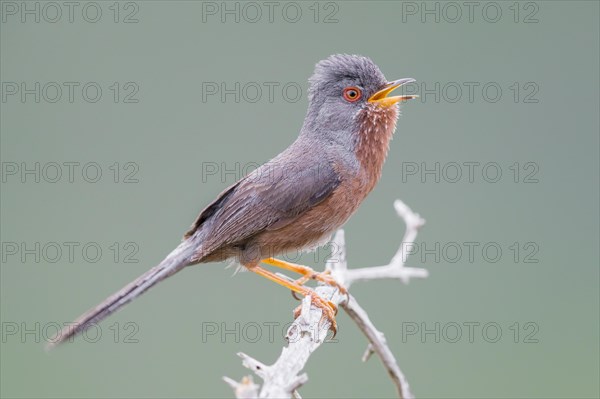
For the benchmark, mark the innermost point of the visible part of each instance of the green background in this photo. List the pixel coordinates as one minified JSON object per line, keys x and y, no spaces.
{"x":170,"y":132}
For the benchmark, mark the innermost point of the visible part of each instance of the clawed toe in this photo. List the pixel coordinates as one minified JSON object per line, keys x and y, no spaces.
{"x":328,"y":308}
{"x":325,"y":277}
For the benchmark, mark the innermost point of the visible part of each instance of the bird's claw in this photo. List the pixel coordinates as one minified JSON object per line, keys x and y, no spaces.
{"x":325,"y":277}
{"x":328,"y":308}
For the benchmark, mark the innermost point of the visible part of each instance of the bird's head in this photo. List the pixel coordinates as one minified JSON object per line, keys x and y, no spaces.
{"x":348,"y":92}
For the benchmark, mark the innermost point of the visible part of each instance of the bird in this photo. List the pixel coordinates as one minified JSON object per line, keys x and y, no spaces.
{"x":296,"y":200}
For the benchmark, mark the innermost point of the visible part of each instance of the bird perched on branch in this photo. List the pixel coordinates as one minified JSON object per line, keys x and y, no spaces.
{"x":296,"y":200}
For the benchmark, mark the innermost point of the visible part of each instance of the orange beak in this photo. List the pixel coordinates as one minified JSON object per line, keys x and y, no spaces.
{"x":381,"y":98}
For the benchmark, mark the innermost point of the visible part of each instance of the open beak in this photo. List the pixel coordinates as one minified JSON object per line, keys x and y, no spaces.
{"x":382,"y":99}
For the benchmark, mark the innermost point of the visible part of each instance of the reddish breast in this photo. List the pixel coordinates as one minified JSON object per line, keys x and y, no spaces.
{"x":377,"y":127}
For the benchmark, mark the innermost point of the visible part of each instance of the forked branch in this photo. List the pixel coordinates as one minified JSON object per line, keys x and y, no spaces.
{"x":308,"y":332}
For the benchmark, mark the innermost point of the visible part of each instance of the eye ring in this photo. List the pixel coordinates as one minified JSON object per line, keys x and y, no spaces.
{"x":352,"y":94}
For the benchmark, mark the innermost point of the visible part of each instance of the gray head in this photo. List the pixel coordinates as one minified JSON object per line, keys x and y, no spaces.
{"x":345,"y":90}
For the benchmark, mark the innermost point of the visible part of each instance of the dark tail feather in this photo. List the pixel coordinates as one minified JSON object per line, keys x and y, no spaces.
{"x":174,"y":262}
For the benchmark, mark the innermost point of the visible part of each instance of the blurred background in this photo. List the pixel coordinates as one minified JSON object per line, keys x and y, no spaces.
{"x":120,"y":121}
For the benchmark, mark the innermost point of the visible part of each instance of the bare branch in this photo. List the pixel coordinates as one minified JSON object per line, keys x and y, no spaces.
{"x":309,"y":330}
{"x":246,"y":389}
{"x":395,"y":269}
{"x":378,"y":344}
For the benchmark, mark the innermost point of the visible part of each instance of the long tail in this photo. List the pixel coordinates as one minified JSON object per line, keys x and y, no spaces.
{"x":174,"y":262}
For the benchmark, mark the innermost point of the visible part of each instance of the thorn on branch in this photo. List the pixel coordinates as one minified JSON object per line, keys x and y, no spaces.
{"x":246,"y":389}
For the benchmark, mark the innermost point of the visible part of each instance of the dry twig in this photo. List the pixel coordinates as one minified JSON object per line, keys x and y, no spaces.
{"x":307,"y":333}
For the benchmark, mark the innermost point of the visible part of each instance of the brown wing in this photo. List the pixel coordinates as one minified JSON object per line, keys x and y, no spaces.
{"x":210,"y":210}
{"x":269,"y":198}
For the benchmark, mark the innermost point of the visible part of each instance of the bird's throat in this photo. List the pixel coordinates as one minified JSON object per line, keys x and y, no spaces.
{"x":376,"y":128}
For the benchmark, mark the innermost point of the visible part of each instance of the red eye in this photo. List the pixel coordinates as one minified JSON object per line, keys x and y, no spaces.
{"x":352,"y":94}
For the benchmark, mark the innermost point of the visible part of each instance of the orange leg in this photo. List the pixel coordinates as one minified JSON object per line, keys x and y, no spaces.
{"x":329,"y":309}
{"x":301,"y":281}
{"x":307,"y":273}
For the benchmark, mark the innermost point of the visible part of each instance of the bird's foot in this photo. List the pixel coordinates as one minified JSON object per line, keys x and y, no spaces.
{"x":328,"y":308}
{"x":307,"y":273}
{"x":325,"y":277}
